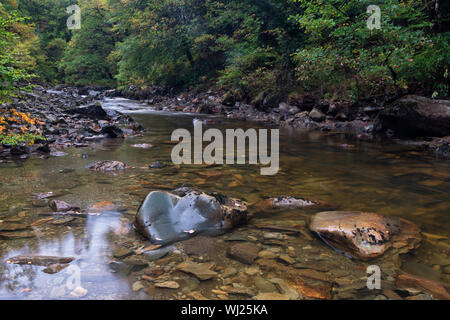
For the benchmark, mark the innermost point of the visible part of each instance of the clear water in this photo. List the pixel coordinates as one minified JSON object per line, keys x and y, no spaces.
{"x":378,"y":177}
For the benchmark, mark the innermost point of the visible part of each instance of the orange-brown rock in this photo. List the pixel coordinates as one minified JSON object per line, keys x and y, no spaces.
{"x":298,"y":279}
{"x":365,"y":235}
{"x":437,"y":289}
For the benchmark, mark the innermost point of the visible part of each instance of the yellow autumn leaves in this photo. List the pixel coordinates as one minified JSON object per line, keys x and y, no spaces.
{"x":13,"y":117}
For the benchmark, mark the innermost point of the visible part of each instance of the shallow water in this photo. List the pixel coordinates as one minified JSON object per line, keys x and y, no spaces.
{"x":380,"y":177}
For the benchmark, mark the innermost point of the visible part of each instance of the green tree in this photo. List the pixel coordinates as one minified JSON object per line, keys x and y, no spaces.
{"x":345,"y":59}
{"x":85,"y":61}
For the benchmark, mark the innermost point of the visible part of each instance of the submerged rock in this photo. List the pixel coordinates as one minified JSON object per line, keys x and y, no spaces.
{"x":243,"y":252}
{"x":61,"y":206}
{"x":365,"y":235}
{"x":437,"y":289}
{"x":165,"y":217}
{"x":284,"y":202}
{"x":107,"y":165}
{"x":200,"y":271}
{"x":40,"y":260}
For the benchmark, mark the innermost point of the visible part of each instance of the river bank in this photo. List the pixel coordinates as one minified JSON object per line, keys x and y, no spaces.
{"x":410,"y":120}
{"x":65,"y":117}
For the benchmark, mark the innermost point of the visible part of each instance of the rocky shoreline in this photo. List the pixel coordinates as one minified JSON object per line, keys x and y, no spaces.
{"x":66,"y":117}
{"x":411,"y":120}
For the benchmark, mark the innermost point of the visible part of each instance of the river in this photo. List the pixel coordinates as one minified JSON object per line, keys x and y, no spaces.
{"x":382,"y":177}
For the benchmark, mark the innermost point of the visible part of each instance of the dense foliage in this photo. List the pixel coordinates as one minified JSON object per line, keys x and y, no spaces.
{"x":257,"y":50}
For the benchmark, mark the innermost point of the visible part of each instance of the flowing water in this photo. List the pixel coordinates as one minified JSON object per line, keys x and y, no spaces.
{"x":381,"y":177}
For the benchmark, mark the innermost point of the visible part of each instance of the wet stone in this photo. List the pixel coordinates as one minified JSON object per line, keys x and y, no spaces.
{"x":286,"y":259}
{"x":166,"y":217}
{"x":271,"y":296}
{"x":243,"y":252}
{"x":17,"y":235}
{"x":200,"y":271}
{"x":168,"y":285}
{"x":365,"y":235}
{"x":61,"y":206}
{"x":273,"y":236}
{"x":40,"y":203}
{"x":107,"y":166}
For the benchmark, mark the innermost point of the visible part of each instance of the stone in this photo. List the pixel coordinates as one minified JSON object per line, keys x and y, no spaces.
{"x":365,"y":235}
{"x":39,"y":260}
{"x":273,"y":236}
{"x":252,"y":271}
{"x":17,"y":235}
{"x":61,"y":206}
{"x":167,"y":217}
{"x":317,"y":115}
{"x":286,"y":259}
{"x":107,"y":166}
{"x":93,"y":111}
{"x":63,"y":221}
{"x":229,"y":272}
{"x":13,"y":226}
{"x":415,"y":116}
{"x":437,"y":289}
{"x":316,"y":289}
{"x":284,"y":202}
{"x":112,"y":132}
{"x":200,"y":271}
{"x":266,"y":254}
{"x":239,"y":290}
{"x":264,"y":285}
{"x":168,"y":285}
{"x":286,"y":289}
{"x":270,"y":296}
{"x":158,"y":165}
{"x":243,"y":252}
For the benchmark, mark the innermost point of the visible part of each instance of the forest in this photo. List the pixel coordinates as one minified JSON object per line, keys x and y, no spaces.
{"x":270,"y":48}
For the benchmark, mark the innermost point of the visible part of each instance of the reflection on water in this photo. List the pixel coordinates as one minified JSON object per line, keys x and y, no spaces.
{"x":349,"y":175}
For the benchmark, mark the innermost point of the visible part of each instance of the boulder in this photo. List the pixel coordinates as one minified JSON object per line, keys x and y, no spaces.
{"x":112,"y":131}
{"x":167,"y":217}
{"x":365,"y":235}
{"x":93,"y":111}
{"x":415,"y":116}
{"x":317,"y":115}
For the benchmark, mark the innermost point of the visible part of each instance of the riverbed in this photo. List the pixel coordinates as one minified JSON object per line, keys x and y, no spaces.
{"x":381,"y":177}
